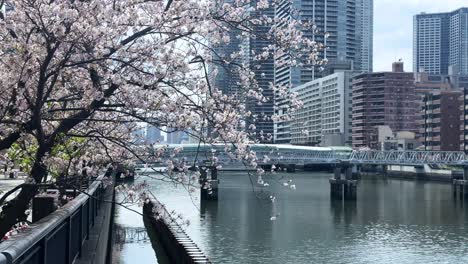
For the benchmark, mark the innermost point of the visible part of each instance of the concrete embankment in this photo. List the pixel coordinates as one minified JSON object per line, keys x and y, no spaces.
{"x":425,"y":172}
{"x":167,"y":234}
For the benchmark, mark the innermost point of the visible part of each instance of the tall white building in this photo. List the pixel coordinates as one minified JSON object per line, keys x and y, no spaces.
{"x":325,"y":119}
{"x":349,"y":45}
{"x":440,"y":42}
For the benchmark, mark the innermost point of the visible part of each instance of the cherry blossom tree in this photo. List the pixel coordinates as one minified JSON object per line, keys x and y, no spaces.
{"x":76,"y":76}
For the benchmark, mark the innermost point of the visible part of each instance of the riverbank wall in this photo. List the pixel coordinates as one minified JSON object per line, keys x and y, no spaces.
{"x":177,"y":245}
{"x":425,"y":172}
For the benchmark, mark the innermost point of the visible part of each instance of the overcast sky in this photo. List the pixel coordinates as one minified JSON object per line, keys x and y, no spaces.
{"x":393,"y":28}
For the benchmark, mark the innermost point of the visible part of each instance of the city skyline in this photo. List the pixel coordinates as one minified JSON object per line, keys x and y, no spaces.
{"x":393,"y":28}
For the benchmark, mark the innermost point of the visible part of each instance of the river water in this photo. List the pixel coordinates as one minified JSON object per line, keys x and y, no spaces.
{"x":392,"y":221}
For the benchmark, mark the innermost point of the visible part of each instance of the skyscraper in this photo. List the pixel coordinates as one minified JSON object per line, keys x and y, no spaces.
{"x":440,"y":41}
{"x":349,"y":45}
{"x":175,"y":136}
{"x":153,"y":135}
{"x":228,"y":77}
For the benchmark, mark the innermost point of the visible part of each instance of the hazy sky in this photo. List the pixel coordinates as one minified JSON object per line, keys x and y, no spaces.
{"x":393,"y":28}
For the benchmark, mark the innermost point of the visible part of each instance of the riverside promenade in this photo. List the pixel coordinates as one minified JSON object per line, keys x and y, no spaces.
{"x":79,"y":232}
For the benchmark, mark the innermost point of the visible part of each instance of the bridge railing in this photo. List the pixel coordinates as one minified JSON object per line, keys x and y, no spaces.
{"x":392,"y":157}
{"x":57,"y":238}
{"x":409,"y":157}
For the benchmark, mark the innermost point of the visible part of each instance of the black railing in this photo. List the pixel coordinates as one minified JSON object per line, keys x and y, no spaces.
{"x":59,"y":237}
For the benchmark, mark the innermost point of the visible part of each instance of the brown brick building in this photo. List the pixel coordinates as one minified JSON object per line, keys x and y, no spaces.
{"x":441,"y":120}
{"x":383,"y":98}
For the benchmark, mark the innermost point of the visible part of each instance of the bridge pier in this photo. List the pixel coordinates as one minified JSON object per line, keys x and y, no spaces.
{"x":420,"y":172}
{"x":343,"y":189}
{"x":356,"y":171}
{"x":209,"y":184}
{"x":291,"y":168}
{"x":384,"y":170}
{"x":266,"y":167}
{"x":460,"y":187}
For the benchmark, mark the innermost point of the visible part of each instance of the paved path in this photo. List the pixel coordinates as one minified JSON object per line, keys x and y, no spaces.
{"x":97,"y":247}
{"x":6,"y":185}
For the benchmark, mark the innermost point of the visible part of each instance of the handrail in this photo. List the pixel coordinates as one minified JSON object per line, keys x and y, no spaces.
{"x":19,"y":244}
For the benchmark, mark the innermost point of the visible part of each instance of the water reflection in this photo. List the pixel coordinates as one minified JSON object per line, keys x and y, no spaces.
{"x":392,"y":221}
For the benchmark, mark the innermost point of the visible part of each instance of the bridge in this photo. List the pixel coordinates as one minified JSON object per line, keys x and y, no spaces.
{"x":303,"y":155}
{"x":346,"y":161}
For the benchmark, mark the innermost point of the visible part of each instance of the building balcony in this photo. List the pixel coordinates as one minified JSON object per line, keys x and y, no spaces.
{"x":359,"y":122}
{"x":360,"y":113}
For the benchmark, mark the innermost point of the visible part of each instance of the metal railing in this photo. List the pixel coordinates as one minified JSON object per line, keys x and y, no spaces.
{"x":410,"y":158}
{"x":59,"y":237}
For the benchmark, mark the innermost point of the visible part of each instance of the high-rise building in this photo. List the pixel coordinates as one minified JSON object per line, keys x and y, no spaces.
{"x":153,"y":135}
{"x":175,"y":136}
{"x":383,"y":99}
{"x":227,"y":79}
{"x":350,"y":42}
{"x":264,"y":72}
{"x":138,"y":136}
{"x":325,"y":118}
{"x":227,"y":76}
{"x":349,"y":25}
{"x":440,"y":40}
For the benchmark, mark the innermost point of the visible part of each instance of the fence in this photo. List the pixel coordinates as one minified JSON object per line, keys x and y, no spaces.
{"x":59,"y":237}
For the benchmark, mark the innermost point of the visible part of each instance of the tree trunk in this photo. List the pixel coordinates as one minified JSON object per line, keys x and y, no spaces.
{"x":14,"y":210}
